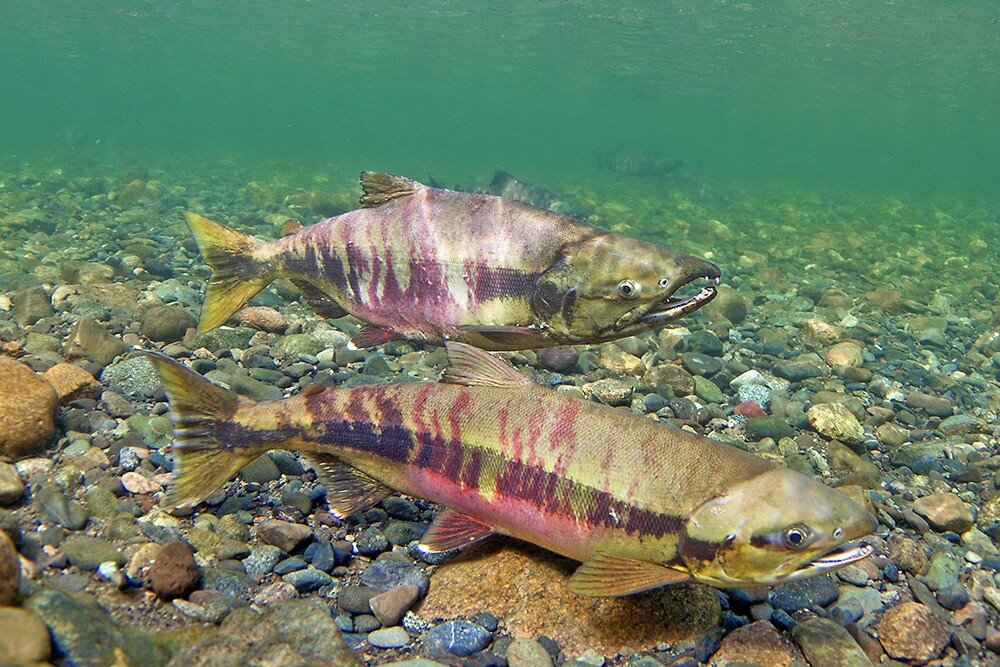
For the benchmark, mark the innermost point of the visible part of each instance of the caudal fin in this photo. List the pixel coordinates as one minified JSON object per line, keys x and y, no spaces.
{"x":236,"y":274}
{"x":201,"y":463}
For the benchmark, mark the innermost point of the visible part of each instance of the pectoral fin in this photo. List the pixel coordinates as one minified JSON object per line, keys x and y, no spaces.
{"x":372,"y":336}
{"x":348,"y":491}
{"x":452,"y":530}
{"x":614,"y":576}
{"x":505,"y":338}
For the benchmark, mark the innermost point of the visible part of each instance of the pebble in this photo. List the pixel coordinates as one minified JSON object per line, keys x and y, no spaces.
{"x":610,"y":391}
{"x":166,"y":324}
{"x":826,"y":643}
{"x":24,"y":639}
{"x":911,"y":632}
{"x":309,"y":579}
{"x":559,"y":359}
{"x":461,"y":638}
{"x":933,"y":405}
{"x":394,"y":637}
{"x":87,"y":553}
{"x":174,"y":572}
{"x":283,"y":534}
{"x":390,"y":606}
{"x":385,"y":574}
{"x":836,"y":422}
{"x":524,"y":652}
{"x":136,"y":483}
{"x":356,"y":599}
{"x":11,"y":487}
{"x":795,"y":595}
{"x":944,"y":512}
{"x":10,"y":570}
{"x":261,"y":561}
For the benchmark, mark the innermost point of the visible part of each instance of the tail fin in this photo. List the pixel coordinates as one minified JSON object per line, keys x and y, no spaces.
{"x":201,"y":463}
{"x":236,"y":275}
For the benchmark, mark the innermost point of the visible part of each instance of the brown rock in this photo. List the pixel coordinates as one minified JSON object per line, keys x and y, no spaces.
{"x":913,"y":633}
{"x":891,"y":435}
{"x":24,"y":639}
{"x":828,"y":644}
{"x":72,"y":382}
{"x":670,"y":375}
{"x":262,"y":317}
{"x":174,"y":572}
{"x":27,"y":410}
{"x":944,"y":511}
{"x":823,"y":332}
{"x":390,"y":606}
{"x":10,"y":570}
{"x":908,"y":555}
{"x":758,"y":643}
{"x":611,"y":391}
{"x":559,"y":359}
{"x":885,"y":298}
{"x":166,"y":324}
{"x":283,"y":534}
{"x":89,"y":339}
{"x":528,"y":588}
{"x":836,"y":422}
{"x":619,"y":361}
{"x":845,"y":354}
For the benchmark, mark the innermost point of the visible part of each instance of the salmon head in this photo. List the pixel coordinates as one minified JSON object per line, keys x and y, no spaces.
{"x":608,"y":286}
{"x":778,"y":526}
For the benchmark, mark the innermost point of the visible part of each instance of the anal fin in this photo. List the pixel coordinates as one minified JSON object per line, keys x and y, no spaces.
{"x":615,"y":576}
{"x":471,"y":366}
{"x":453,"y":530}
{"x":348,"y":491}
{"x":322,"y":305}
{"x":372,"y":336}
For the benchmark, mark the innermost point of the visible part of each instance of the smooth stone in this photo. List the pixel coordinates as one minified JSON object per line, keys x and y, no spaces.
{"x":356,"y":599}
{"x":792,"y":596}
{"x":826,"y":643}
{"x":697,"y":363}
{"x":559,"y":359}
{"x":757,"y":643}
{"x":796,"y":371}
{"x":390,"y":606}
{"x":524,"y":652}
{"x":166,"y":324}
{"x":394,"y":637}
{"x":27,"y":410}
{"x":11,"y":486}
{"x":174,"y":572}
{"x":89,"y":339}
{"x":10,"y":570}
{"x":261,"y":470}
{"x":307,"y":580}
{"x":944,"y":512}
{"x":283,"y":534}
{"x":707,"y":390}
{"x":87,"y":553}
{"x":24,"y":639}
{"x":385,"y":574}
{"x":461,"y":638}
{"x":776,"y":428}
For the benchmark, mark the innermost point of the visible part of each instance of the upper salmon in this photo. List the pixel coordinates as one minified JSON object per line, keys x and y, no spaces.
{"x":641,"y":504}
{"x":431,"y":265}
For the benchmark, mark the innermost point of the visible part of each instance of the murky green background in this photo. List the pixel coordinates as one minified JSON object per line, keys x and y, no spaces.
{"x":844,"y":95}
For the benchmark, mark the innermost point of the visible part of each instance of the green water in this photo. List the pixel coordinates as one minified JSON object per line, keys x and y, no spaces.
{"x":846,"y":95}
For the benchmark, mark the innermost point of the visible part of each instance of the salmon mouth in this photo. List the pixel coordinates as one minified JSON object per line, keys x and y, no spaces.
{"x":675,"y":306}
{"x":835,"y":559}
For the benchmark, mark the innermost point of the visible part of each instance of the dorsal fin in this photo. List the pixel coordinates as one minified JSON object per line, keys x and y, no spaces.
{"x":380,"y":188}
{"x":471,"y":366}
{"x":291,"y":226}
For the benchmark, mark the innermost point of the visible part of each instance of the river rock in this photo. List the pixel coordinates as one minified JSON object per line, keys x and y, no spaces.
{"x":24,"y":639}
{"x":617,"y":360}
{"x":10,"y":570}
{"x":845,"y":354}
{"x":27,"y":410}
{"x":390,"y":606}
{"x":913,"y":633}
{"x":89,"y":339}
{"x":283,"y":534}
{"x":87,"y":553}
{"x":30,"y":305}
{"x":174,"y":572}
{"x":166,"y":324}
{"x":611,"y":391}
{"x":944,"y":511}
{"x":262,"y":317}
{"x":72,"y":382}
{"x":828,"y":644}
{"x":11,"y":486}
{"x":672,"y":376}
{"x":528,"y":588}
{"x":560,"y":359}
{"x":836,"y":422}
{"x":823,"y":332}
{"x":728,"y":305}
{"x":932,"y":405}
{"x":524,"y":652}
{"x":461,"y":638}
{"x":84,"y":634}
{"x":758,"y":643}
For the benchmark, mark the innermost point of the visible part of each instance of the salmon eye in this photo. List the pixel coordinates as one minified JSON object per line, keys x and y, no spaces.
{"x":628,"y":289}
{"x":664,"y":282}
{"x":795,"y":536}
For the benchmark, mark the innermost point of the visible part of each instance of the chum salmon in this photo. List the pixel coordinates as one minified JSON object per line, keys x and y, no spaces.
{"x":640,"y":504}
{"x":431,"y":265}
